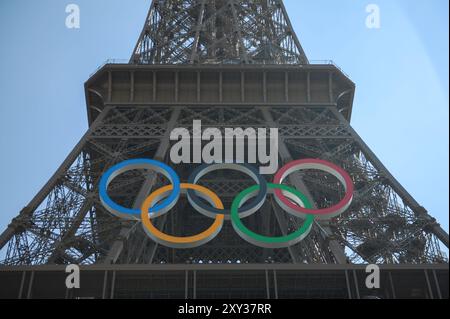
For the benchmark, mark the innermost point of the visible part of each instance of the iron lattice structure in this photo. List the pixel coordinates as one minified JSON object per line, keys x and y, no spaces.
{"x":218,"y":31}
{"x":202,"y":60}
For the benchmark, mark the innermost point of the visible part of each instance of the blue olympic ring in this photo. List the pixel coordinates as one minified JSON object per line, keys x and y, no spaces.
{"x":129,"y":165}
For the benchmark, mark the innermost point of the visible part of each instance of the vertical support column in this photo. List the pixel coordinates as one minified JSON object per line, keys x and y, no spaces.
{"x":110,"y":81}
{"x":242,"y":86}
{"x":243,"y":54}
{"x":28,"y":211}
{"x":194,"y":54}
{"x":265,"y":225}
{"x":194,"y":285}
{"x":177,"y":85}
{"x":436,"y":281}
{"x":267,"y":284}
{"x":155,"y":79}
{"x":117,"y":247}
{"x":355,"y":278}
{"x":434,"y":228}
{"x":330,"y":86}
{"x":30,"y":285}
{"x":22,"y":284}
{"x":105,"y":284}
{"x":430,"y":289}
{"x":294,"y":251}
{"x":221,"y":87}
{"x":296,"y":180}
{"x":199,"y":92}
{"x":275,"y":283}
{"x":186,"y":284}
{"x":347,"y":281}
{"x":132,"y":86}
{"x":391,"y":282}
{"x":68,"y":294}
{"x":113,"y":285}
{"x":286,"y":87}
{"x":265,"y":86}
{"x":308,"y":87}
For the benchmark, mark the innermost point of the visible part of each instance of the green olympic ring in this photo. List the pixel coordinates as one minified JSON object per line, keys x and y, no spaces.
{"x":264,"y":241}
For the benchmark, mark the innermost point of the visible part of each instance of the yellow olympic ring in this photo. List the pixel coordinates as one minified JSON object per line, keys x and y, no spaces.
{"x":182,"y":242}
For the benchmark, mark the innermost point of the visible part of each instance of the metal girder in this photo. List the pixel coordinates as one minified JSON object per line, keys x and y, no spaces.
{"x":65,"y":222}
{"x":218,"y":31}
{"x":145,"y":190}
{"x":297,"y":180}
{"x":34,"y":240}
{"x":434,"y":227}
{"x":27,"y":212}
{"x":57,"y":230}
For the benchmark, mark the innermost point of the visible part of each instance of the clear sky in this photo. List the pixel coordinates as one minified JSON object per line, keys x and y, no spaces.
{"x":401,"y":72}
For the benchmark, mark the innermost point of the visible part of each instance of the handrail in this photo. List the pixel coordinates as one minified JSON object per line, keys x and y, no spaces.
{"x":110,"y":61}
{"x":126,"y":61}
{"x":330,"y":62}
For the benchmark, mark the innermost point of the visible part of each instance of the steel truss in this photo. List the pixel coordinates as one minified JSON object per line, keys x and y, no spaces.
{"x":218,"y":31}
{"x":65,"y":223}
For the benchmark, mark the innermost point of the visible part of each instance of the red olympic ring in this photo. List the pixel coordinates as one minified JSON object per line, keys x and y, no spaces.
{"x":322,"y":165}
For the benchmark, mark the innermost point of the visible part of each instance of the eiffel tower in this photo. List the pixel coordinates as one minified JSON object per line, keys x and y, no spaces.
{"x":230,"y":64}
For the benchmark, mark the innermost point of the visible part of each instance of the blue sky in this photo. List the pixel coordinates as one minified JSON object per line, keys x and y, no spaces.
{"x":401,"y":72}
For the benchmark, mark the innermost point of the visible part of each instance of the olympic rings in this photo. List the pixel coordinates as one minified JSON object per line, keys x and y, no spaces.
{"x":164,"y":199}
{"x":128,"y":213}
{"x":325,"y":213}
{"x":211,"y":212}
{"x":182,"y":242}
{"x":264,"y":241}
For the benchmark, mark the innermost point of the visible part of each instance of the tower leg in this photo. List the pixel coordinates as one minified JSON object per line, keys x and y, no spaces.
{"x":420,"y":211}
{"x":161,"y":153}
{"x":336,"y":249}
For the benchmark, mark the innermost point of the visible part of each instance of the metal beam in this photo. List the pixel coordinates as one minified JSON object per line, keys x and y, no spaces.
{"x":27,"y":212}
{"x":117,"y":247}
{"x":297,"y":181}
{"x":435,"y":228}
